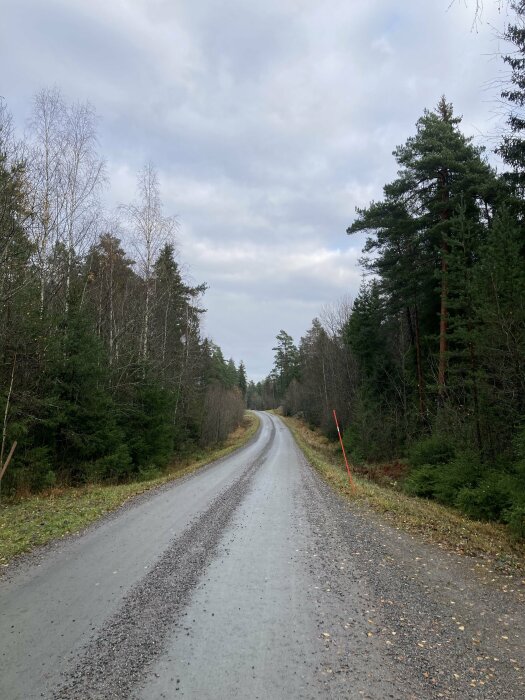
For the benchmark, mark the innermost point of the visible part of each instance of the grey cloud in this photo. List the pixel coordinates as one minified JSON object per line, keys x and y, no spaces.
{"x":269,"y":122}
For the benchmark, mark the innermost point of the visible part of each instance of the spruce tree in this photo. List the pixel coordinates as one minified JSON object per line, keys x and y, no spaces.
{"x":241,"y":379}
{"x":512,"y":148}
{"x":498,"y":298}
{"x":80,"y":426}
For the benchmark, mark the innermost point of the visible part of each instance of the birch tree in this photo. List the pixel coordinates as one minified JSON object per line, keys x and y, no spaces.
{"x":45,"y":177}
{"x":82,"y":176}
{"x":65,"y":174}
{"x":151,"y":230}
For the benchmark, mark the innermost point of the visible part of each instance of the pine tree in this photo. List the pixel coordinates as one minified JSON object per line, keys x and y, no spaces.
{"x":286,"y":363}
{"x":440,"y":170}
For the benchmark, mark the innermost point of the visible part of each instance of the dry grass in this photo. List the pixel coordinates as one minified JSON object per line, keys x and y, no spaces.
{"x":35,"y":520}
{"x":432,"y":521}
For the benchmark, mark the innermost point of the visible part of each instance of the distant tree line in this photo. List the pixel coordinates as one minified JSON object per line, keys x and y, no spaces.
{"x":104,"y":373}
{"x":429,"y":363}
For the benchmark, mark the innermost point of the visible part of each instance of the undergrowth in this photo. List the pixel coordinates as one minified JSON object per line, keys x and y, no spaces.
{"x":33,"y":521}
{"x":434,"y":522}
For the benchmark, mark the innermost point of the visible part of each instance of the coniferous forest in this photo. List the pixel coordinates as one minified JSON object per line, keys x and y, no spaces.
{"x":427,"y":364}
{"x":104,"y":372}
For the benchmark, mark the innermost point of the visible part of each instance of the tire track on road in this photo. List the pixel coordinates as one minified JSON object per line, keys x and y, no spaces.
{"x":116,"y":659}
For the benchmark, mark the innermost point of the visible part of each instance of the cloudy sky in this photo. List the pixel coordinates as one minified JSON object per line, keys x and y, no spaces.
{"x":269,"y":122}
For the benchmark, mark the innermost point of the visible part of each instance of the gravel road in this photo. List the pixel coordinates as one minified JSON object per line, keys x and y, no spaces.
{"x":253,"y":579}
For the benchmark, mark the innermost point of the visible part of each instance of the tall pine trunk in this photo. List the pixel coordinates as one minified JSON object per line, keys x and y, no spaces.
{"x":443,"y":320}
{"x":419,"y":367}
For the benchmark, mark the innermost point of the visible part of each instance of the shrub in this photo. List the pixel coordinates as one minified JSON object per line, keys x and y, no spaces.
{"x":114,"y":467}
{"x":490,"y":498}
{"x":353,"y":446}
{"x":437,"y":479}
{"x":430,"y":451}
{"x":460,"y":479}
{"x":148,"y":473}
{"x":462,"y":472}
{"x":421,"y":482}
{"x":31,"y":470}
{"x":515,"y":519}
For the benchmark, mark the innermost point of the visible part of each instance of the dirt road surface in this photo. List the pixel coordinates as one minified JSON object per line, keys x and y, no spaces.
{"x":252,"y":579}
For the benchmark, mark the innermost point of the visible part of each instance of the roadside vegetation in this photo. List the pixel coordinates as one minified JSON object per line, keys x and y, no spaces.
{"x":378,"y":489}
{"x":34,"y":520}
{"x":426,"y":366}
{"x":105,"y":374}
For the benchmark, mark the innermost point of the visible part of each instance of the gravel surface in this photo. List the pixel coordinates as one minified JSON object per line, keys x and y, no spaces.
{"x":447,"y":627}
{"x":56,"y":600}
{"x":262,"y":583}
{"x":115,"y":660}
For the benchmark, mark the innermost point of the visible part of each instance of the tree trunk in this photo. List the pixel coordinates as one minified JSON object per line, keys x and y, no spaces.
{"x":111,"y":309}
{"x":443,"y":321}
{"x":442,"y":366}
{"x":419,"y":368}
{"x":146,"y":322}
{"x":473,"y":364}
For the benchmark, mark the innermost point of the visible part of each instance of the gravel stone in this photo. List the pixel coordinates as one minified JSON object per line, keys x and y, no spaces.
{"x":115,"y":661}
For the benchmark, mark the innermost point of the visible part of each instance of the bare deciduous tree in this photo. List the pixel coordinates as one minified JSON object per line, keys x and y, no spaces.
{"x":45,"y":178}
{"x":151,"y":231}
{"x":65,"y":175}
{"x":83,"y":174}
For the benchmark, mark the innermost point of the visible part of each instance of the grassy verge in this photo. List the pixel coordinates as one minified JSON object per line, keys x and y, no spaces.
{"x":433,"y":522}
{"x":36,"y":520}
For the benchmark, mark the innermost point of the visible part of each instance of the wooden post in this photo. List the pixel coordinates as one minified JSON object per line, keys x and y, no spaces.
{"x":3,"y":467}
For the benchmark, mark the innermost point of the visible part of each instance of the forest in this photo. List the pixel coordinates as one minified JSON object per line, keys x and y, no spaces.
{"x":427,"y":365}
{"x":104,"y":372}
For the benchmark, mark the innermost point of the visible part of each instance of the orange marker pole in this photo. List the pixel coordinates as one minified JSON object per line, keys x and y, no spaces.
{"x":344,"y":453}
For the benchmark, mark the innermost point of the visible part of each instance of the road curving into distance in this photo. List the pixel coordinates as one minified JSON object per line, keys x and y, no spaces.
{"x":252,"y":579}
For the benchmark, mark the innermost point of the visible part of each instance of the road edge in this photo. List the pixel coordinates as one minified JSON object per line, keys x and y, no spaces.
{"x":134,"y":495}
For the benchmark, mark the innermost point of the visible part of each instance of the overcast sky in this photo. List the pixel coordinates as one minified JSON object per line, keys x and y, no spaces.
{"x":269,"y":122}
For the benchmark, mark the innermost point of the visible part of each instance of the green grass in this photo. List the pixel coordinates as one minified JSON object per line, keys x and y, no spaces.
{"x":432,"y":521}
{"x":33,"y":521}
